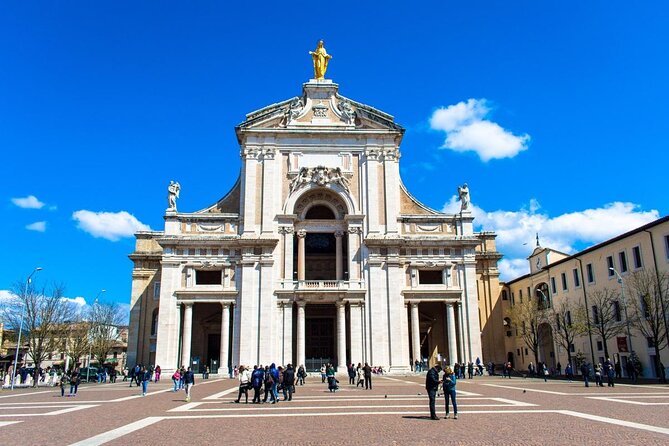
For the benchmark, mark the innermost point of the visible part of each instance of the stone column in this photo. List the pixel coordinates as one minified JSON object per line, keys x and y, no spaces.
{"x":341,"y":336}
{"x":301,"y":253}
{"x":300,"y":333}
{"x":339,"y":254}
{"x":225,"y":337}
{"x":452,"y":342}
{"x":353,"y":246}
{"x":415,"y":332}
{"x":288,"y":253}
{"x":177,"y":357}
{"x":188,"y":327}
{"x":465,"y":356}
{"x":356,"y":332}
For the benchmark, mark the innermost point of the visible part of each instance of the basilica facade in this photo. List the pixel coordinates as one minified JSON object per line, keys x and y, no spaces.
{"x":317,"y":254}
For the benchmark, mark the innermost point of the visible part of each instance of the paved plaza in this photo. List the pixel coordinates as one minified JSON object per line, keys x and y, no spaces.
{"x":492,"y":410}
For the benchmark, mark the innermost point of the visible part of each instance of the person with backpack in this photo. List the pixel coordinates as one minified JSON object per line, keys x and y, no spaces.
{"x":257,"y":378}
{"x":301,"y":375}
{"x":74,"y":381}
{"x":288,"y":383}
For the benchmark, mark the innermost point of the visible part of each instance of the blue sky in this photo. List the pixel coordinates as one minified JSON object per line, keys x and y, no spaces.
{"x":554,"y":113}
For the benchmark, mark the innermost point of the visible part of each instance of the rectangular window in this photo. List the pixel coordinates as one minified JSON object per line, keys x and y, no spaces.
{"x":666,"y":246}
{"x":644,"y":307}
{"x":600,"y":346}
{"x":525,"y":351}
{"x":557,"y":322}
{"x":518,"y":351}
{"x":430,"y":277}
{"x":563,"y":276}
{"x":616,"y":311}
{"x":520,"y":295}
{"x":609,"y":265}
{"x":553,"y":286}
{"x":651,"y":343}
{"x":590,"y":272}
{"x":577,"y":280}
{"x":595,"y":314}
{"x":636,"y":253}
{"x":529,"y":295}
{"x":156,"y":290}
{"x":623,"y":261}
{"x":513,"y":298}
{"x":524,"y":327}
{"x":568,"y":318}
{"x":572,"y":348}
{"x":504,"y":295}
{"x":208,"y":277}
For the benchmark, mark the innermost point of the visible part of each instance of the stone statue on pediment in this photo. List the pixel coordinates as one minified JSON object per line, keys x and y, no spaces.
{"x":172,"y":194}
{"x":463,"y":192}
{"x":346,"y":112}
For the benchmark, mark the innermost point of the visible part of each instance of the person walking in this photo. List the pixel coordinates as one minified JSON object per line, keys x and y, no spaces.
{"x":598,"y":375}
{"x":301,"y":375}
{"x":63,"y":377}
{"x":145,"y":378}
{"x":569,"y":373}
{"x":176,"y":377}
{"x":323,"y":375}
{"x":367,"y":371}
{"x":288,"y":382}
{"x":351,"y":374}
{"x":609,"y":371}
{"x":585,"y":371}
{"x":244,"y":378}
{"x":449,"y":391}
{"x":274,"y":371}
{"x":257,"y":378}
{"x":157,"y":375}
{"x":544,"y":371}
{"x":188,"y":379}
{"x":360,"y":375}
{"x":432,"y":386}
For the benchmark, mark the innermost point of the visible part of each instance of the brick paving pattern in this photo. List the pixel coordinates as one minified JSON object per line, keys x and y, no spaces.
{"x":492,"y":411}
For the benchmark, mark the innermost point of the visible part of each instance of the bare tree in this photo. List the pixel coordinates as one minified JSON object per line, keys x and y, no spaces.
{"x":566,"y":324}
{"x":104,"y":319}
{"x":45,"y":314}
{"x":607,"y":321}
{"x":526,"y":317}
{"x":77,"y":342}
{"x":649,"y":296}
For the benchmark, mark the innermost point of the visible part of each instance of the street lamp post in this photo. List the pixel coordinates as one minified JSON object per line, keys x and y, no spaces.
{"x":90,"y":347}
{"x":23,"y":311}
{"x":622,"y":298}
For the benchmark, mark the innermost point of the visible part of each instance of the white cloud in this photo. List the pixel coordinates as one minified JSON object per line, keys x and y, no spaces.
{"x":39,"y":226}
{"x":7,"y":296}
{"x":568,"y":232}
{"x":76,"y":300}
{"x":29,"y":202}
{"x":467,"y":130}
{"x":108,"y":225}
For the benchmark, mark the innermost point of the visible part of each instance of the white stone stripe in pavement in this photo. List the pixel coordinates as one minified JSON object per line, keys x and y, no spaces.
{"x":216,"y":396}
{"x":638,"y":403}
{"x":7,"y":423}
{"x":25,"y":394}
{"x":55,"y":412}
{"x":113,"y":434}
{"x":615,"y":421}
{"x":524,"y":388}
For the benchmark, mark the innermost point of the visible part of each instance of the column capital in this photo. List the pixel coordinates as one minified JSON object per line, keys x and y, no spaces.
{"x":225,"y":305}
{"x":286,"y":229}
{"x":302,"y":233}
{"x":340,"y":304}
{"x":339,"y":234}
{"x":301,"y":303}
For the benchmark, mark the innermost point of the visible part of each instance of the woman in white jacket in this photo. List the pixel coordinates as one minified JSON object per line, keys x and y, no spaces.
{"x":244,"y":384}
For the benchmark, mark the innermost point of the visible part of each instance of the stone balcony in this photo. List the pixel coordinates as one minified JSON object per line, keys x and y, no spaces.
{"x":322,"y":285}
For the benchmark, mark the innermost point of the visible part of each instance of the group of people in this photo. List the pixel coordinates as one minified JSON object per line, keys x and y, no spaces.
{"x":183,"y":378}
{"x":433,"y":381}
{"x":266,"y":382}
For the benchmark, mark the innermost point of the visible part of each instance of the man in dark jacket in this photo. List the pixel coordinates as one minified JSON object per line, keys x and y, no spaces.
{"x":367,"y":370}
{"x":432,"y":385}
{"x":288,"y":382}
{"x":351,"y":373}
{"x":257,"y":379}
{"x":189,"y":381}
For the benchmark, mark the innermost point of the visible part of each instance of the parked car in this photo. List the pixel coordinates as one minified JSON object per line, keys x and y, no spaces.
{"x":92,"y":373}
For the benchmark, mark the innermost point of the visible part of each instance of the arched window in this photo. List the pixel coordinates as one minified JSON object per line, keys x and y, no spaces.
{"x":154,"y":323}
{"x":319,"y":212}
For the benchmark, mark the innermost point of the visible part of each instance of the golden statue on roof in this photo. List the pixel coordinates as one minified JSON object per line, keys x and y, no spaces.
{"x":321,"y":59}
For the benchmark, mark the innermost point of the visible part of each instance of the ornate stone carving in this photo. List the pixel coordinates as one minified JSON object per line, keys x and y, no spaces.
{"x":384,"y":154}
{"x":301,"y":233}
{"x":347,"y":113}
{"x":321,"y":176}
{"x":172,"y":194}
{"x":339,"y":234}
{"x":320,"y":110}
{"x":354,"y":230}
{"x":258,"y":153}
{"x":286,"y":229}
{"x":294,"y":110}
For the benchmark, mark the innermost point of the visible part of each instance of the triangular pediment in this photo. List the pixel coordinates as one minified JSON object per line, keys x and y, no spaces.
{"x":319,"y":107}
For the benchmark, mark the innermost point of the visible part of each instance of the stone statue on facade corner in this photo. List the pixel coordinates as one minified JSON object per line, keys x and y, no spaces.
{"x":172,"y":194}
{"x":463,"y":192}
{"x":321,"y":59}
{"x":347,"y":112}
